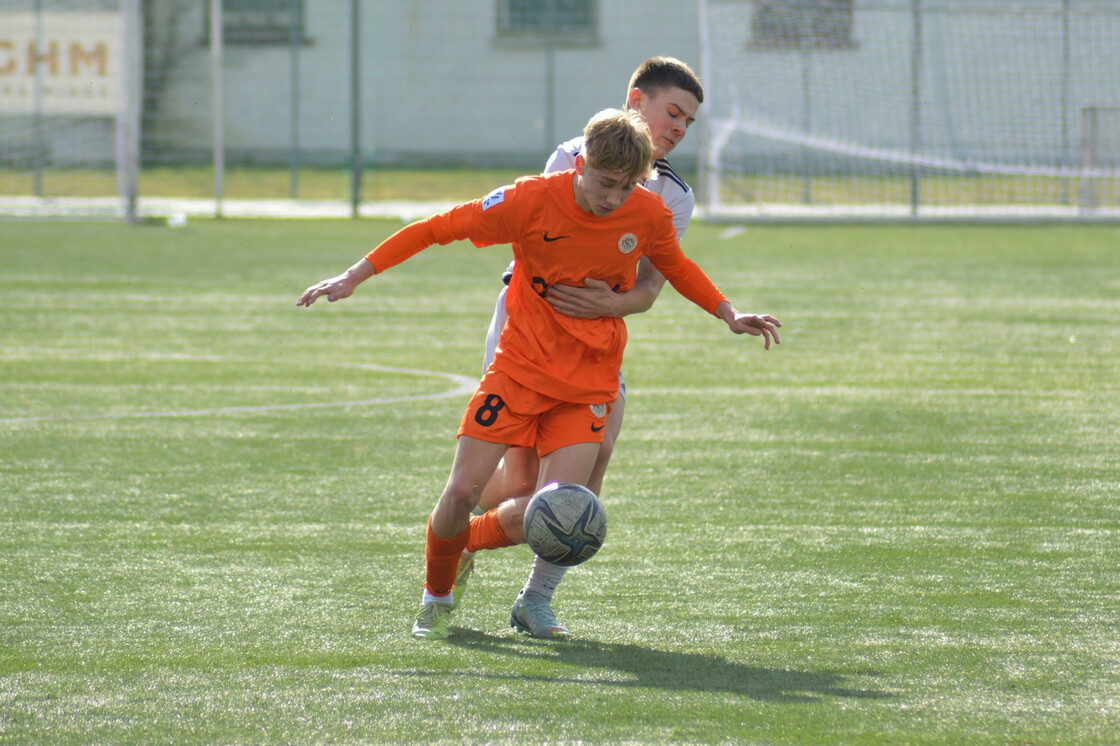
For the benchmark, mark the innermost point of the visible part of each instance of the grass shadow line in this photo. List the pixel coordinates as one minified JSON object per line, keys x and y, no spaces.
{"x":669,"y":670}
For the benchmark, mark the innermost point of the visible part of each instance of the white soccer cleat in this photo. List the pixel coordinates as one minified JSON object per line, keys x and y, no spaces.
{"x":432,"y":623}
{"x":533,"y":614}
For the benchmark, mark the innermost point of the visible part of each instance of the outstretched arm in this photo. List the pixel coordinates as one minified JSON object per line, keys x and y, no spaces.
{"x":757,"y":325}
{"x":407,"y":242}
{"x":689,"y":279}
{"x":340,"y":286}
{"x":596,"y":299}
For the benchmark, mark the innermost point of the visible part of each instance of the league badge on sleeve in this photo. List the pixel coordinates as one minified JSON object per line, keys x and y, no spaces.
{"x":496,"y":197}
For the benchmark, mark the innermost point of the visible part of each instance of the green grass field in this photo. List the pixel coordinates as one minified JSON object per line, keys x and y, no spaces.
{"x":899,"y":526}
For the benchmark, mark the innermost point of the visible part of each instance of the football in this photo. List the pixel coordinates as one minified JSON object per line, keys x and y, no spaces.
{"x":565,"y":524}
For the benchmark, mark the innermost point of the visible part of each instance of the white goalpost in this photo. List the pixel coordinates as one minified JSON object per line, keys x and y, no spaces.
{"x":911,"y":109}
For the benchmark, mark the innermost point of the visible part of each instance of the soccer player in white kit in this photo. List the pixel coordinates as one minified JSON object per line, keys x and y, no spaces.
{"x":667,"y":94}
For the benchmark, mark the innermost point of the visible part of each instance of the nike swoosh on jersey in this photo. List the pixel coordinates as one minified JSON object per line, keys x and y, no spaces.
{"x":549,"y":238}
{"x":597,"y":429}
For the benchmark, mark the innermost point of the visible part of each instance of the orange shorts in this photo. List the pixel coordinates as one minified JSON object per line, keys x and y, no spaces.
{"x":504,"y":411}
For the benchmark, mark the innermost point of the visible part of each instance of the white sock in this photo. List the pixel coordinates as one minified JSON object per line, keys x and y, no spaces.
{"x":430,"y":598}
{"x":544,"y":577}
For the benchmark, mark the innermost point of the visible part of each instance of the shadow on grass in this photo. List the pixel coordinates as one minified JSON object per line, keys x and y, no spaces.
{"x":673,"y":671}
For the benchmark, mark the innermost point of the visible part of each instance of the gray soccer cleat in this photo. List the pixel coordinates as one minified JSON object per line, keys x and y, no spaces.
{"x":532,"y":614}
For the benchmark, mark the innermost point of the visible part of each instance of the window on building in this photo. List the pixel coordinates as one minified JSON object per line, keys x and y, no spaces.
{"x":259,"y":21}
{"x":802,"y":24}
{"x":572,"y":21}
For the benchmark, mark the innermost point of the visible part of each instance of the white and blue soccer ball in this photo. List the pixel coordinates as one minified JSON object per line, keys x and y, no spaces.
{"x":565,"y":524}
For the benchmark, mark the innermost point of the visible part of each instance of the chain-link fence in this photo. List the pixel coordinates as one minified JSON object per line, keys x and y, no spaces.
{"x":307,"y":104}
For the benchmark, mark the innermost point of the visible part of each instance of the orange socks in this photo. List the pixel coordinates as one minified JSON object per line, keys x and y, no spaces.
{"x":486,"y":533}
{"x":441,"y":558}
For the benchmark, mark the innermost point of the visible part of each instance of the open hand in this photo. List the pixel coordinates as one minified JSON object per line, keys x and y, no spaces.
{"x":594,"y":301}
{"x":335,"y":288}
{"x":757,"y":325}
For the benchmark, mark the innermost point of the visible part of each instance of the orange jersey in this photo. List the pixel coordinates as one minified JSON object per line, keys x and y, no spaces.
{"x":557,"y":242}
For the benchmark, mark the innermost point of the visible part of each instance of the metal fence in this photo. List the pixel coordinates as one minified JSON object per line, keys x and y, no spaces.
{"x":302,"y":103}
{"x":814,"y":108}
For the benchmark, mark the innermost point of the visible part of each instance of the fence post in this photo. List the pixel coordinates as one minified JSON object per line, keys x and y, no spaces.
{"x":38,"y":138}
{"x":355,"y":110}
{"x":915,"y":107}
{"x":128,"y":116}
{"x":1064,"y":195}
{"x":217,"y":104}
{"x":806,"y":57}
{"x":295,"y":34}
{"x":550,"y":76}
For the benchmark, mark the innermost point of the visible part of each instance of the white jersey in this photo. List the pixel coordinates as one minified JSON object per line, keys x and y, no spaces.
{"x":677,"y":195}
{"x":674,"y":192}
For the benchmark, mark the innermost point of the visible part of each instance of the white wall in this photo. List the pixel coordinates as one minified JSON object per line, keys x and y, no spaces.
{"x":437,"y":85}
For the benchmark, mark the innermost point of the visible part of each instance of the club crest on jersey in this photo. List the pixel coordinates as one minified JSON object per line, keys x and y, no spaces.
{"x":599,"y":410}
{"x":496,"y":197}
{"x":627,"y":243}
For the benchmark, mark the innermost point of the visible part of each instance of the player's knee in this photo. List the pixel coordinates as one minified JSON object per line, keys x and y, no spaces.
{"x":461,"y":496}
{"x":606,"y":449}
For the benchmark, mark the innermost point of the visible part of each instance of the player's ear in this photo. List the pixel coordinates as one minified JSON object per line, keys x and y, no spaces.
{"x":634,"y":98}
{"x":579,"y":164}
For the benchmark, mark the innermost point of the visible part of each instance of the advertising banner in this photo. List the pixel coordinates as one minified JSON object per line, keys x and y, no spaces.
{"x":61,"y":63}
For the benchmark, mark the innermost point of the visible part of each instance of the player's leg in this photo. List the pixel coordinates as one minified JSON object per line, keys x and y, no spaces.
{"x":448,"y":532}
{"x":606,"y":448}
{"x":574,"y":425}
{"x":474,"y":462}
{"x":544,"y":576}
{"x":511,"y":512}
{"x":516,"y":475}
{"x":532,"y":611}
{"x":499,"y":414}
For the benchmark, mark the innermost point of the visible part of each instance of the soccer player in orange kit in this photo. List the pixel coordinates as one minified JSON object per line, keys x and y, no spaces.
{"x":553,"y":376}
{"x":666,"y":94}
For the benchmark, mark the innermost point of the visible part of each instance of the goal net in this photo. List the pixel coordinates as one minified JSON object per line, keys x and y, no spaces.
{"x":881,"y":109}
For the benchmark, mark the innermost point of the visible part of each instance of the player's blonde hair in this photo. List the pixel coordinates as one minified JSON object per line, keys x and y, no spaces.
{"x":616,"y":140}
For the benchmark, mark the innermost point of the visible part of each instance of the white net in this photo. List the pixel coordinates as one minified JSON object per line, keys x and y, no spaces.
{"x":911,"y":108}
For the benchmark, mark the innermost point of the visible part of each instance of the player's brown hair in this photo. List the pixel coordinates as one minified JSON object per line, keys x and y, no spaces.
{"x":616,"y":140}
{"x":659,"y":73}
